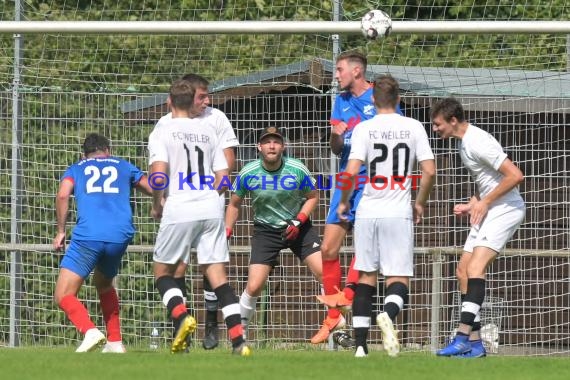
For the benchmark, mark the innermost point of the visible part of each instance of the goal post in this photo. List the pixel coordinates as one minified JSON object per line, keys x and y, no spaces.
{"x":65,"y":70}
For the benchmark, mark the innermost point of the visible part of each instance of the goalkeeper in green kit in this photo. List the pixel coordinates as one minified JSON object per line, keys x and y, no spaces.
{"x":283,"y":196}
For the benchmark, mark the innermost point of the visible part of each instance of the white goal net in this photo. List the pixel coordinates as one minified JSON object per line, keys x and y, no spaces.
{"x":56,"y":87}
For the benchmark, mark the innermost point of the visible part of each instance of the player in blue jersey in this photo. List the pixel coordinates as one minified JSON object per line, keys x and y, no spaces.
{"x":102,"y":187}
{"x":351,"y":107}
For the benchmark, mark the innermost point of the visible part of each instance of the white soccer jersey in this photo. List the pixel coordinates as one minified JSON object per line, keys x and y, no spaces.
{"x":389,"y":145}
{"x":216,"y":119}
{"x":482,"y":155}
{"x":192,"y":152}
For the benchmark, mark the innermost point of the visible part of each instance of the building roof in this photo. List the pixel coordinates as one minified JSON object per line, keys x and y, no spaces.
{"x":439,"y":81}
{"x":552,"y":88}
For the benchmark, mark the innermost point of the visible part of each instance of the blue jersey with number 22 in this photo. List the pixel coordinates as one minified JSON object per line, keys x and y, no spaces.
{"x":102,"y":189}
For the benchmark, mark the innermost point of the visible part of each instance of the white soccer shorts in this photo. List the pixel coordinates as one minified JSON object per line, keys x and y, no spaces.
{"x":497,"y":228}
{"x":222,"y":207}
{"x":384,"y":245}
{"x":174,"y":241}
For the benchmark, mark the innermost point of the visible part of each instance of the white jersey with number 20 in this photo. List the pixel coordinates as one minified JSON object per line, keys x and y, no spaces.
{"x":389,"y":145}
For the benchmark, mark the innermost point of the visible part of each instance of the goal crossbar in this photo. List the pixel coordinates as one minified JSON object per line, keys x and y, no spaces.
{"x":280,"y":27}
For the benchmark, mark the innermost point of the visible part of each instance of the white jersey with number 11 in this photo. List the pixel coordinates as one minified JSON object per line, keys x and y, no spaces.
{"x":193,"y":153}
{"x":390,"y":145}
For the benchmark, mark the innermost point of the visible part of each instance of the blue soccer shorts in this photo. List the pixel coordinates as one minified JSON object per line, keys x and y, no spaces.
{"x":332,"y":217}
{"x":82,"y":256}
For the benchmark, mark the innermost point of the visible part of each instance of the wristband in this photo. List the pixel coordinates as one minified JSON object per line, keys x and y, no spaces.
{"x":302,"y":217}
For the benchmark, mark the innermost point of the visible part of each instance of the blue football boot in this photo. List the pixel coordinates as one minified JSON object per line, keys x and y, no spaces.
{"x":458,"y":346}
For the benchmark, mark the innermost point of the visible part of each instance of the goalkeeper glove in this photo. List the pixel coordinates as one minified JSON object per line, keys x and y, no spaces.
{"x":294,"y":226}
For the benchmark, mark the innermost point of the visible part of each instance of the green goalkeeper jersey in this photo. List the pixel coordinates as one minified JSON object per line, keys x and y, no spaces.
{"x":275,"y":195}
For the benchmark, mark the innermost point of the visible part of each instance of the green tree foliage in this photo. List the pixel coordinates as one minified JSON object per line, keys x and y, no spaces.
{"x":115,"y":63}
{"x":526,"y":52}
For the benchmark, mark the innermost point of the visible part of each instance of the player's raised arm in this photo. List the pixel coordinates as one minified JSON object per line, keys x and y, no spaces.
{"x":61,"y":209}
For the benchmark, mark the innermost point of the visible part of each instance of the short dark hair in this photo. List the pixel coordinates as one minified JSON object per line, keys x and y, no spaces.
{"x":448,"y":108}
{"x":196,"y":80}
{"x":182,"y":94}
{"x":354,"y":57}
{"x":386,"y":91}
{"x":95,"y":142}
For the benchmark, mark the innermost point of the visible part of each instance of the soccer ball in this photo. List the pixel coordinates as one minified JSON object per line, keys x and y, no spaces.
{"x":376,"y":23}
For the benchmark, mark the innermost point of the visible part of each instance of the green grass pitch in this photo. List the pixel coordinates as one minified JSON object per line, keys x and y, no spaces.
{"x":63,"y":363}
